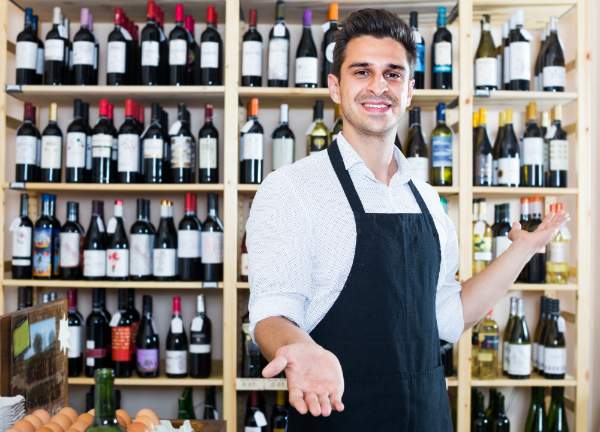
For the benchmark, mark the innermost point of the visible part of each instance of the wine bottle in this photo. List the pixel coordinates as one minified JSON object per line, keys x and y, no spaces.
{"x":487,"y":350}
{"x":147,"y":343}
{"x":210,"y":404}
{"x":559,"y":151}
{"x":27,"y":143}
{"x":51,"y":149}
{"x":538,"y":73}
{"x":96,"y":49}
{"x":178,"y":49}
{"x":26,"y":52}
{"x":128,"y":150}
{"x":71,"y":240}
{"x":252,"y":46}
{"x":506,"y":56}
{"x":75,"y":322}
{"x":555,"y":352}
{"x":141,"y":243}
{"x":183,"y":148}
{"x":482,"y":236}
{"x":338,"y":124}
{"x":500,"y":423}
{"x":519,"y":351}
{"x":328,"y":43}
{"x":120,"y":326}
{"x":244,"y":260}
{"x":520,"y":53}
{"x":497,"y":151}
{"x":538,"y":344}
{"x":193,"y":60}
{"x":553,"y":63}
{"x":102,"y":139}
{"x":441,"y":66}
{"x":524,"y":221}
{"x":117,"y":248}
{"x":279,"y":417}
{"x":557,"y":260}
{"x":186,"y":405}
{"x":211,"y":51}
{"x":500,"y":230}
{"x":510,"y":325}
{"x":46,"y":241}
{"x":76,"y":145}
{"x":307,"y":64}
{"x":546,"y":130}
{"x":189,"y":257}
{"x":482,"y":175}
{"x":251,"y":356}
{"x":419,"y":73}
{"x":486,"y":62}
{"x":87,"y":173}
{"x":94,"y":245}
{"x":532,"y":169}
{"x":536,"y":415}
{"x":105,"y":419}
{"x":24,"y":297}
{"x":22,"y":237}
{"x":208,"y":149}
{"x":200,"y":342}
{"x":481,"y":423}
{"x":256,"y":421}
{"x":251,"y":147}
{"x":114,"y":148}
{"x":317,"y":138}
{"x":39,"y":64}
{"x":283,"y":140}
{"x":509,"y":154}
{"x":164,"y":257}
{"x":84,"y":51}
{"x":177,"y":344}
{"x":416,"y":150}
{"x":212,"y":242}
{"x":153,"y":48}
{"x":441,"y":149}
{"x":97,"y":336}
{"x":279,"y":50}
{"x":536,"y":267}
{"x":135,"y":318}
{"x":153,"y":148}
{"x":69,"y":52}
{"x":117,"y":61}
{"x":557,"y":416}
{"x":55,"y":51}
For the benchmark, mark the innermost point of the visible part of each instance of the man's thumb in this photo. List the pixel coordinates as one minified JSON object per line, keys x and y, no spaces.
{"x":275,"y":367}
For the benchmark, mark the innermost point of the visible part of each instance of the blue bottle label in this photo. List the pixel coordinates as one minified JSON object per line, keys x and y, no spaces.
{"x":420,"y":60}
{"x":442,"y":151}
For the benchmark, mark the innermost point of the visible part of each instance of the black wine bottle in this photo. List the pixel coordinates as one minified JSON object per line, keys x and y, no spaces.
{"x":76,"y":145}
{"x":26,"y":52}
{"x":441,"y":64}
{"x":84,"y":51}
{"x":75,"y":321}
{"x":178,"y":49}
{"x":97,"y":336}
{"x":558,"y":151}
{"x":307,"y":63}
{"x":117,"y":248}
{"x":121,"y":327}
{"x":210,"y":404}
{"x":283,"y":140}
{"x":520,"y":53}
{"x":46,"y":241}
{"x":71,"y":240}
{"x":252,"y":46}
{"x":279,"y":50}
{"x":328,"y":43}
{"x":141,"y":243}
{"x":188,"y":242}
{"x":212,"y":242}
{"x":553,"y":61}
{"x":193,"y":59}
{"x":177,"y":344}
{"x":94,"y":246}
{"x":153,"y":148}
{"x":251,"y":147}
{"x":532,"y":148}
{"x":200,"y":342}
{"x":39,"y":64}
{"x":27,"y":144}
{"x":255,"y":421}
{"x":419,"y":74}
{"x":153,"y":48}
{"x":116,"y":51}
{"x":183,"y":148}
{"x":55,"y":51}
{"x":87,"y":174}
{"x":147,"y":343}
{"x":536,"y":267}
{"x":129,"y":152}
{"x":22,"y":241}
{"x":51,"y":149}
{"x":164,"y":259}
{"x":211,"y":51}
{"x":208,"y":149}
{"x":24,"y":298}
{"x":102,"y":141}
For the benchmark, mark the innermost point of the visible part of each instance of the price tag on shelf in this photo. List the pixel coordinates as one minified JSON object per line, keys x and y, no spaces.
{"x":17,"y":185}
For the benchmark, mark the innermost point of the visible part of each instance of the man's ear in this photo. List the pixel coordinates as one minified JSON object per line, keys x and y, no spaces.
{"x":411,"y":92}
{"x":334,"y":88}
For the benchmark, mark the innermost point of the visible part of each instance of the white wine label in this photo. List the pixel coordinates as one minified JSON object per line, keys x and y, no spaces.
{"x":115,"y":58}
{"x":307,"y":70}
{"x":278,"y":59}
{"x":553,"y":76}
{"x":150,"y":53}
{"x":101,"y":145}
{"x":76,"y":142}
{"x":51,"y":151}
{"x":441,"y":151}
{"x":244,"y":264}
{"x":505,"y":355}
{"x":559,"y":155}
{"x":70,"y":249}
{"x":21,"y":241}
{"x":94,"y":263}
{"x":128,"y":153}
{"x":39,"y":64}
{"x":88,"y":153}
{"x":200,"y":348}
{"x":509,"y":171}
{"x":252,"y":429}
{"x":117,"y":262}
{"x":175,"y":128}
{"x":499,"y":69}
{"x":506,"y":65}
{"x":176,"y":362}
{"x":520,"y":61}
{"x":197,"y":326}
{"x":283,"y":152}
{"x":164,"y":262}
{"x":176,"y":325}
{"x":558,"y":252}
{"x":247,"y":126}
{"x":188,"y":244}
{"x":499,"y":245}
{"x":279,"y":30}
{"x":140,"y":263}
{"x":329,"y":51}
{"x":442,"y":57}
{"x":519,"y":362}
{"x":532,"y":151}
{"x":555,"y":360}
{"x":212,"y":247}
{"x":27,"y":55}
{"x":75,"y":342}
{"x":26,"y":150}
{"x":486,"y":71}
{"x":54,"y":50}
{"x":419,"y":167}
{"x":484,"y":167}
{"x":181,"y":152}
{"x":209,"y":55}
{"x":177,"y":52}
{"x":153,"y":148}
{"x":111,"y":225}
{"x":207,"y":154}
{"x":251,"y":147}
{"x":83,"y":53}
{"x":535,"y":352}
{"x":252,"y":58}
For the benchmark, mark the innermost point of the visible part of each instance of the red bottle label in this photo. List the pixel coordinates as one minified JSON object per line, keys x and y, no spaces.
{"x":121,"y":344}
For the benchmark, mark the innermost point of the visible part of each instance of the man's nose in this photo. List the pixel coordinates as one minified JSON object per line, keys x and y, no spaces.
{"x":378,"y":85}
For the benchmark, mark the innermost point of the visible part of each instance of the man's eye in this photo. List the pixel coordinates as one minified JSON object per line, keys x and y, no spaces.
{"x":361,"y":73}
{"x":394,"y":75}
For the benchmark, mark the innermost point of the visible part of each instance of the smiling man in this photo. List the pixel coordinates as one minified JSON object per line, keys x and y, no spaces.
{"x":352,"y":262}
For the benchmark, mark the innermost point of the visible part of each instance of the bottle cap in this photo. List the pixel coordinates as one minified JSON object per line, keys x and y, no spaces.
{"x":176,"y":304}
{"x":307,"y":17}
{"x":190,"y":202}
{"x":179,"y":14}
{"x":103,"y":108}
{"x":253,"y":107}
{"x":29,"y":112}
{"x":130,"y":110}
{"x":208,"y":112}
{"x":211,"y":15}
{"x":84,"y":17}
{"x":72,"y":298}
{"x":151,"y":10}
{"x":531,"y":110}
{"x":252,"y":18}
{"x":189,"y":24}
{"x":333,"y":12}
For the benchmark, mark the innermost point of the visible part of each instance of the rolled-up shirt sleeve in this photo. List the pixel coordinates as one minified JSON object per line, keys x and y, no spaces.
{"x":279,"y":257}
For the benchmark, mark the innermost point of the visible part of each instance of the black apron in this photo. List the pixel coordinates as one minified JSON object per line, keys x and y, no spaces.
{"x":383,"y":326}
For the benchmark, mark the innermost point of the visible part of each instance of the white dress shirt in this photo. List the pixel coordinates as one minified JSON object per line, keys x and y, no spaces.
{"x":301,"y":236}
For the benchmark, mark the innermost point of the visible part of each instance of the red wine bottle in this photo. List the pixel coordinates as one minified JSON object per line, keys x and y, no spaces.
{"x":84,"y":51}
{"x":128,"y":153}
{"x":419,"y":73}
{"x":71,"y":240}
{"x":121,"y":329}
{"x":114,"y":148}
{"x":87,"y":174}
{"x":135,"y":318}
{"x":96,"y":49}
{"x":39,"y":64}
{"x":307,"y":63}
{"x":147,"y":343}
{"x":164,"y":262}
{"x":46,"y":241}
{"x":183,"y":148}
{"x":76,"y":145}
{"x":153,"y":148}
{"x":75,"y":321}
{"x":178,"y":49}
{"x":251,"y":147}
{"x":256,"y":421}
{"x":200,"y":342}
{"x":177,"y":344}
{"x":119,"y":42}
{"x":117,"y":250}
{"x":279,"y":50}
{"x":252,"y":47}
{"x":188,"y":242}
{"x":328,"y":43}
{"x":102,"y":141}
{"x":97,"y":335}
{"x":22,"y":237}
{"x":142,"y":242}
{"x":212,"y":242}
{"x":26,"y":51}
{"x":211,"y":51}
{"x":51,"y":149}
{"x":27,"y":145}
{"x":56,"y":65}
{"x":193,"y":61}
{"x":208,"y":149}
{"x":94,"y":246}
{"x":154,"y":47}
{"x":69,"y":52}
{"x":244,"y":260}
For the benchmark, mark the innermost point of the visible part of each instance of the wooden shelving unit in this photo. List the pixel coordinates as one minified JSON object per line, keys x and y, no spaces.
{"x":231,"y":96}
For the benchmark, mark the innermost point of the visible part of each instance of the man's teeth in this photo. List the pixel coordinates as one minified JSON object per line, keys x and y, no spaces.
{"x":376,"y":105}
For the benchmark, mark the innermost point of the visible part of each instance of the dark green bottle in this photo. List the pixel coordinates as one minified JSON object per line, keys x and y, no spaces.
{"x":500,"y":422}
{"x":105,"y":419}
{"x":557,"y":417}
{"x":481,"y":423}
{"x":536,"y":417}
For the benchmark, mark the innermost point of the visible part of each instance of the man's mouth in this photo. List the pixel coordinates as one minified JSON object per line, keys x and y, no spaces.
{"x":376,"y":107}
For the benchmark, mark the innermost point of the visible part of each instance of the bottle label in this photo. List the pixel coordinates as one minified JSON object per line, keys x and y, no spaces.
{"x":150,"y":53}
{"x":482,"y":245}
{"x":553,"y":76}
{"x":442,"y":57}
{"x":506,"y":65}
{"x":54,"y":50}
{"x":101,"y":145}
{"x":94,"y":263}
{"x":147,"y":359}
{"x":520,"y":61}
{"x":121,"y":343}
{"x":505,"y":355}
{"x":252,"y":58}
{"x":519,"y":362}
{"x":197,"y":348}
{"x":486,"y":71}
{"x":70,"y":251}
{"x":92,"y":352}
{"x":252,"y":429}
{"x":177,"y":52}
{"x":181,"y":152}
{"x":483,"y":168}
{"x":278,"y":58}
{"x":21,"y":242}
{"x":39,"y":67}
{"x":153,"y":148}
{"x":188,"y":244}
{"x":244,"y":264}
{"x":499,"y":245}
{"x":176,"y":362}
{"x":83,"y":53}
{"x":419,"y":168}
{"x":212,"y":247}
{"x":115,"y":59}
{"x":164,"y":262}
{"x":251,"y":146}
{"x":260,"y":419}
{"x":533,"y":151}
{"x":51,"y":152}
{"x":441,"y":151}
{"x":555,"y":360}
{"x":26,"y":55}
{"x":509,"y":171}
{"x":540,"y":357}
{"x":141,"y":254}
{"x":535,"y":350}
{"x":76,"y":149}
{"x":558,"y":252}
{"x":42,"y":252}
{"x":559,"y":155}
{"x":209,"y":55}
{"x":26,"y":150}
{"x":283,"y":152}
{"x":307,"y":70}
{"x":128,"y":153}
{"x":317,"y":143}
{"x":420,"y":59}
{"x":207,"y":154}
{"x":75,"y":342}
{"x":329,"y":52}
{"x":117,"y":262}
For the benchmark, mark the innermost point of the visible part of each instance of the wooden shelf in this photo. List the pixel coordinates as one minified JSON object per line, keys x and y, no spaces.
{"x":116,"y":187}
{"x":534,"y":381}
{"x":485,"y":191}
{"x":442,"y":190}
{"x":86,"y":284}
{"x":518,"y":100}
{"x":537,"y":12}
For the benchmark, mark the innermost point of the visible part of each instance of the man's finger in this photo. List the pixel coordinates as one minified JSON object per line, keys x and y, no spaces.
{"x":296,"y":398}
{"x":313,"y":404}
{"x":336,"y":402}
{"x":275,"y":367}
{"x":325,"y":404}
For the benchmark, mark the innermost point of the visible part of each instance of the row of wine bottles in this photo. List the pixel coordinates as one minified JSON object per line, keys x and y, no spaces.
{"x":540,"y":158}
{"x":548,"y":265}
{"x":255,"y":419}
{"x":131,"y":154}
{"x":47,"y":250}
{"x":148,"y":58}
{"x":543,"y":352}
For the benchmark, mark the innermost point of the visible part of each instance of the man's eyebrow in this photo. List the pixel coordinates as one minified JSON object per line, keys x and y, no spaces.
{"x":366,"y":64}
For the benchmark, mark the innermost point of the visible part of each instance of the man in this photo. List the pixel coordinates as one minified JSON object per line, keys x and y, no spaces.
{"x":352,"y":262}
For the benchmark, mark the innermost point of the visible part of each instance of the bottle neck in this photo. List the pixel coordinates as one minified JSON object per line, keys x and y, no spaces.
{"x":24,"y":206}
{"x":104,"y":399}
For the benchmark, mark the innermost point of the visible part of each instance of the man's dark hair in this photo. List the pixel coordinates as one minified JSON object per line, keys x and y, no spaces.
{"x":378,"y":23}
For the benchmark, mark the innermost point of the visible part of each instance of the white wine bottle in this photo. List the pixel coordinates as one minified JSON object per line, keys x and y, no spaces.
{"x":486,"y":62}
{"x":532,"y":149}
{"x":519,"y":346}
{"x":482,"y":236}
{"x":510,"y":325}
{"x":553,"y":62}
{"x":416,"y":150}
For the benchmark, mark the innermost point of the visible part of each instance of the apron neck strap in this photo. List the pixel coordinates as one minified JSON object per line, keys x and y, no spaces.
{"x":419,"y":198}
{"x":344,"y":177}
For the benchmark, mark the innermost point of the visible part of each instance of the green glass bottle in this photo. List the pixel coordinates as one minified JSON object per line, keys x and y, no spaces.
{"x":317,"y":138}
{"x":481,"y":423}
{"x":487,"y":352}
{"x":512,"y":318}
{"x":486,"y":62}
{"x":279,"y":416}
{"x":536,"y":416}
{"x":557,"y":416}
{"x":105,"y":419}
{"x":519,"y":362}
{"x":185,"y":405}
{"x":500,"y":422}
{"x":441,"y":149}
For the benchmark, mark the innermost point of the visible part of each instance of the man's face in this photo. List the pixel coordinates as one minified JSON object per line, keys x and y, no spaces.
{"x":374,"y":88}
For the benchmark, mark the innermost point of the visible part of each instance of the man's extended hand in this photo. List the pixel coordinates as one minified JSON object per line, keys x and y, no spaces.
{"x":544,"y":232}
{"x":314,"y":377}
